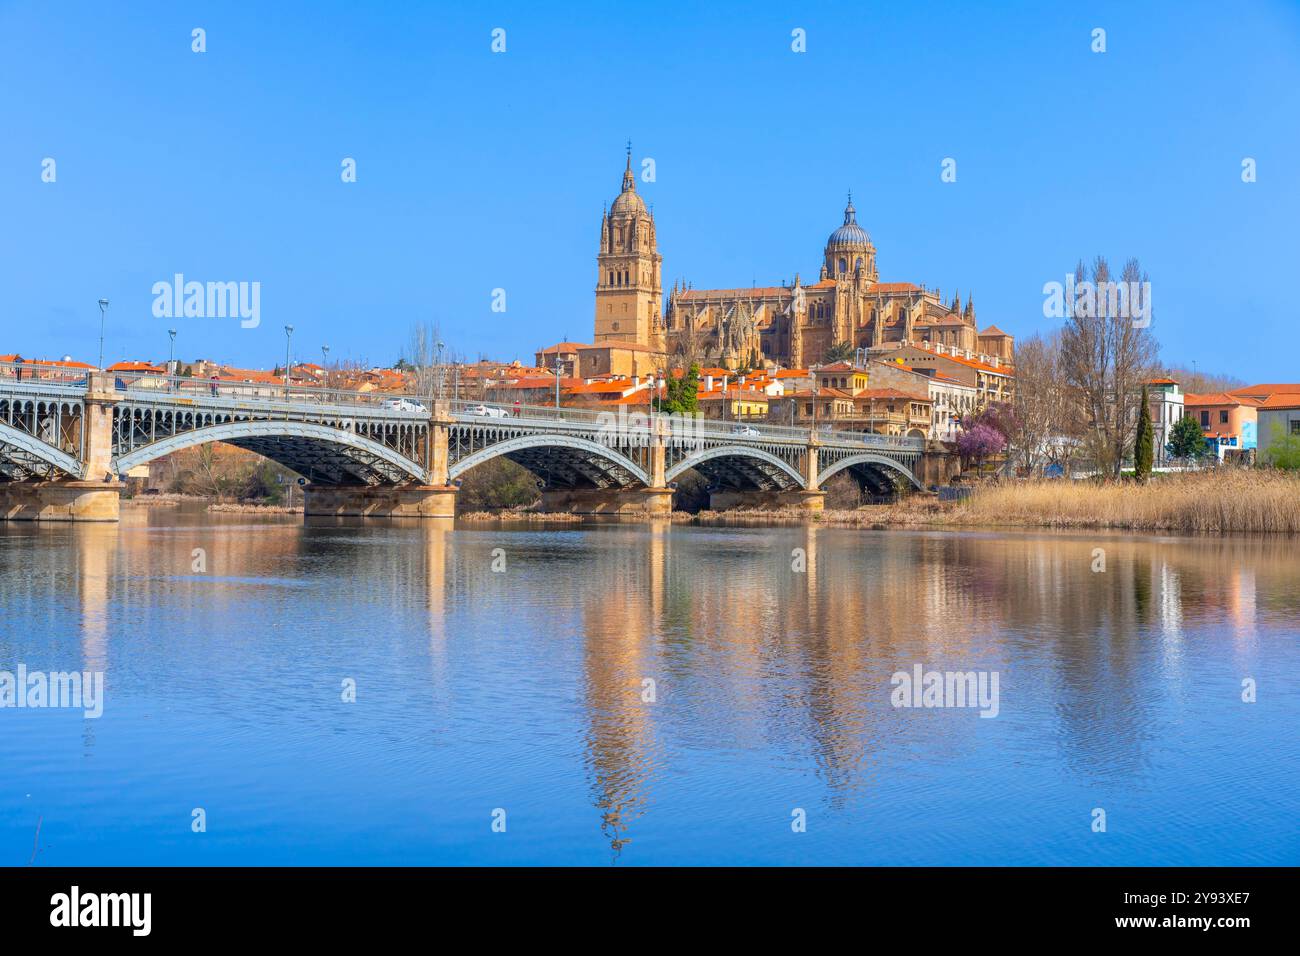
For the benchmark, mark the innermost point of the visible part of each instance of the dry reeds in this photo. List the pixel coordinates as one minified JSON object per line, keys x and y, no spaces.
{"x":1221,"y":500}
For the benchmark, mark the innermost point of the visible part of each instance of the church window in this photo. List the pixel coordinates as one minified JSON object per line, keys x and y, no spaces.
{"x":858,"y":265}
{"x":844,"y":265}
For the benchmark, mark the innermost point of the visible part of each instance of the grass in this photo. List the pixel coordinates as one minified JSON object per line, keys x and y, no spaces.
{"x":1216,"y":501}
{"x":1224,"y":500}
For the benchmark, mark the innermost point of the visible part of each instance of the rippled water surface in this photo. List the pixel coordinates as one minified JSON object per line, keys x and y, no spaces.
{"x":771,"y":652}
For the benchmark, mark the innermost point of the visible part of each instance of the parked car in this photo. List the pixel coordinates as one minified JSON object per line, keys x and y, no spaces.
{"x":487,"y":411}
{"x":402,"y":405}
{"x":747,"y":430}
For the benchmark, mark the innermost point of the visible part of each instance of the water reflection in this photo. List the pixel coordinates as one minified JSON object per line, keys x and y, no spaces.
{"x":769,"y":652}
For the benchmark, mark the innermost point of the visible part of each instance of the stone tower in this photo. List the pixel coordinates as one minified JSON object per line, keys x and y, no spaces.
{"x":628,"y":286}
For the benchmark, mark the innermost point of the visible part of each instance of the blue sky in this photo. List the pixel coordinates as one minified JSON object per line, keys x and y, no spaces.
{"x":478,"y":170}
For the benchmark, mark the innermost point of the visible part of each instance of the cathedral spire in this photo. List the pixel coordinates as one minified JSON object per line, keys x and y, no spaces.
{"x":629,"y":181}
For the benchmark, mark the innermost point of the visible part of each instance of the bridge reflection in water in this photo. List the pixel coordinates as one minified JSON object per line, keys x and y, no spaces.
{"x":770,"y":650}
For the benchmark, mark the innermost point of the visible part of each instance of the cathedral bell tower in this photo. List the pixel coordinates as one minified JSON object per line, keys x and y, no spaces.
{"x":628,"y":286}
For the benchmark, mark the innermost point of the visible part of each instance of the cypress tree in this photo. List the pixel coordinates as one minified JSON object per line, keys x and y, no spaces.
{"x":1143,"y":450}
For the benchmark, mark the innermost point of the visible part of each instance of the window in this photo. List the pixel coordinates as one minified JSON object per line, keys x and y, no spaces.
{"x":1205,"y":419}
{"x":1223,"y":418}
{"x":1295,"y":426}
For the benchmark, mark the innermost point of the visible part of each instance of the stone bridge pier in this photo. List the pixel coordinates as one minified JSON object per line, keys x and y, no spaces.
{"x":435,"y":498}
{"x":807,"y":497}
{"x":95,"y":494}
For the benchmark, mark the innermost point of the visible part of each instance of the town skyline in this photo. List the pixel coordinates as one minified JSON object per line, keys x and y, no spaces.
{"x":449,"y":208}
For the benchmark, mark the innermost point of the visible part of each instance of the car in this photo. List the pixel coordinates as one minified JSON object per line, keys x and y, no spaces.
{"x":747,"y":430}
{"x":487,"y":411}
{"x":402,"y":405}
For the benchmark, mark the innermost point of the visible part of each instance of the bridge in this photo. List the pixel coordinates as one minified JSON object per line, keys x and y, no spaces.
{"x":68,"y":438}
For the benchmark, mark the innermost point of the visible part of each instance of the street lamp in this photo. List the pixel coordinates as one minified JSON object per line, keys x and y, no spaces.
{"x":288,"y":338}
{"x":103,"y":309}
{"x":171,"y":350}
{"x":438,"y":373}
{"x":325,"y":364}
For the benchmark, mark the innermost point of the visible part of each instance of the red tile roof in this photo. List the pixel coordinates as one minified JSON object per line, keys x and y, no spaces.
{"x":1219,"y":398}
{"x":1283,"y":400}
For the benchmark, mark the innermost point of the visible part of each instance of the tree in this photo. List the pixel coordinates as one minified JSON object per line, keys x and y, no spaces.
{"x":1186,"y":440}
{"x":979,"y":441}
{"x":1107,"y":353}
{"x":1198,"y":383}
{"x":425,"y":359}
{"x":681,"y":394}
{"x":840,"y":352}
{"x":1143,"y":452}
{"x":1044,"y":409}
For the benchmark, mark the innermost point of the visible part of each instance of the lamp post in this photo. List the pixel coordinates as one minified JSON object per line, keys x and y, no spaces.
{"x":557,"y":383}
{"x":325,"y":364}
{"x":103,"y":309}
{"x":438,"y":373}
{"x":288,"y":339}
{"x":171,"y":354}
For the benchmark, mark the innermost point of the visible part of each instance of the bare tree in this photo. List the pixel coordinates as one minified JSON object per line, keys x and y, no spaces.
{"x":1044,"y":409}
{"x":1197,"y":382}
{"x":424,"y":358}
{"x":1107,"y":352}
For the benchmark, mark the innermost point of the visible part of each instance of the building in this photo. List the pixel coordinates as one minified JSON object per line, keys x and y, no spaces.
{"x":1278,"y":418}
{"x":792,"y":324}
{"x":629,"y":289}
{"x":618,"y":358}
{"x":1228,"y":421}
{"x":1166,"y":404}
{"x":991,"y":378}
{"x":564,"y":354}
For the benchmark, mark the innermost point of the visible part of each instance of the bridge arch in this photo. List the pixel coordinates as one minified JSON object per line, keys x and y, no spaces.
{"x":867,"y":464}
{"x":318,"y":452}
{"x":27,"y":456}
{"x":568,"y":459}
{"x":770,"y":469}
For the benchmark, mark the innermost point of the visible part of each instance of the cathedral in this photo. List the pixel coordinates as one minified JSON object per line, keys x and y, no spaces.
{"x":792,"y":325}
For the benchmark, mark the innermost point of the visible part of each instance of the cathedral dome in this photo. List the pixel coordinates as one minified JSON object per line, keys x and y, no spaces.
{"x":628,"y":203}
{"x":849,"y":234}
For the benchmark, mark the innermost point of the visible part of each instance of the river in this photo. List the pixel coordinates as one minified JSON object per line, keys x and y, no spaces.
{"x":636,"y":693}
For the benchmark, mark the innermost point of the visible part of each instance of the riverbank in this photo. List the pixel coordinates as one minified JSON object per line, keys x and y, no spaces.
{"x":245,"y":508}
{"x":1221,"y":501}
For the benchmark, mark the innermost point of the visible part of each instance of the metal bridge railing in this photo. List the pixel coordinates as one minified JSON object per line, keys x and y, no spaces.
{"x":221,"y":391}
{"x":33,"y":375}
{"x":164,"y":387}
